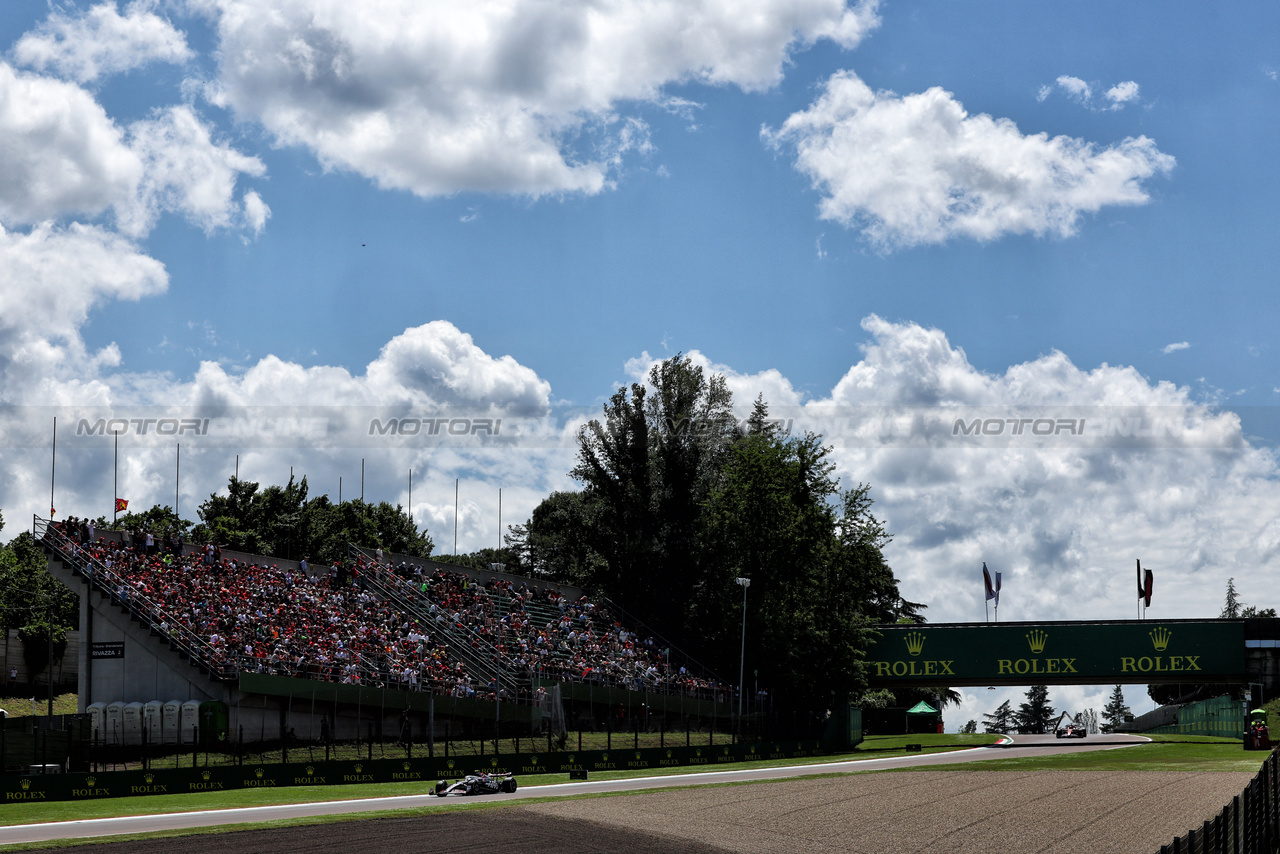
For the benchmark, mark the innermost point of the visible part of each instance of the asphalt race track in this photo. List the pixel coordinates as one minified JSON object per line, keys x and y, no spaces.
{"x":1020,"y":746}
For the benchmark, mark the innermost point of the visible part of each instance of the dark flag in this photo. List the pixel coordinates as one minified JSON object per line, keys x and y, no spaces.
{"x":1146,"y":588}
{"x":1142,"y":591}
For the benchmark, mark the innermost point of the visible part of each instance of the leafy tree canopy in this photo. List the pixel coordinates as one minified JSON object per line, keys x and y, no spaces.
{"x":282,"y":521}
{"x":29,"y":596}
{"x":679,"y":500}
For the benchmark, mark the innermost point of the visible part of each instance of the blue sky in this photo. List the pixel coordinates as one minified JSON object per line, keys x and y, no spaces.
{"x":217,"y":203}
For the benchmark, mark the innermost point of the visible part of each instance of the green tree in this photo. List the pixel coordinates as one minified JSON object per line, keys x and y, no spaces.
{"x":1035,"y":715}
{"x":34,"y":602}
{"x":1115,"y":712}
{"x":1001,"y":721}
{"x":646,"y":467}
{"x":282,"y":522}
{"x":158,"y":520}
{"x":1231,"y":608}
{"x":678,"y":501}
{"x":553,"y":543}
{"x":969,"y":728}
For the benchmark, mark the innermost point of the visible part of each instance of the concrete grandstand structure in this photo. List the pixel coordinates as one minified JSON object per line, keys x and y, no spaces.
{"x":361,"y":647}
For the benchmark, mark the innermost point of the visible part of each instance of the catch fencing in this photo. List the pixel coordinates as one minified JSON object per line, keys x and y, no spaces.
{"x":1250,"y":824}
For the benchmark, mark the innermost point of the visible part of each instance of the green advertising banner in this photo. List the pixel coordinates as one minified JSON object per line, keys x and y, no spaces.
{"x":176,"y":781}
{"x":1058,"y":653}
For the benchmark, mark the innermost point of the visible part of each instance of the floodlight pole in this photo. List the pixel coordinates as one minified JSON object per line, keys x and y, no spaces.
{"x":742,"y":659}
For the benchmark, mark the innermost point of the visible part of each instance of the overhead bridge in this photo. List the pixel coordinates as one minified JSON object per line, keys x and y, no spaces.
{"x":1074,"y":653}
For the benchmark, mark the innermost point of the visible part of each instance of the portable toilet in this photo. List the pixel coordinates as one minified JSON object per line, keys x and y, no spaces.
{"x":215,"y":719}
{"x":151,"y":722}
{"x":170,"y":717}
{"x":97,"y":717}
{"x":132,"y":723}
{"x":189,"y":722}
{"x":113,"y":732}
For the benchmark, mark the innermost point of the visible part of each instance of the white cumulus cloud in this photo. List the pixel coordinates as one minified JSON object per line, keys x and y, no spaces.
{"x":186,"y":172}
{"x":1175,"y":347}
{"x":518,"y":97}
{"x":1076,"y":89}
{"x":1122,"y":93}
{"x":101,"y":41}
{"x":919,"y":169}
{"x":50,"y":279}
{"x":65,"y":157}
{"x":1081,"y":92}
{"x":1142,"y":471}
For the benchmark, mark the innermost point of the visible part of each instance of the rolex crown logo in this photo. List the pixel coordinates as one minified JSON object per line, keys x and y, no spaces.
{"x":533,"y":760}
{"x":668,"y":754}
{"x":258,"y":772}
{"x":311,"y":770}
{"x":25,"y":784}
{"x":637,"y":754}
{"x":149,"y":778}
{"x":205,"y":775}
{"x":91,"y":781}
{"x":406,"y":766}
{"x":915,"y":643}
{"x":1160,"y":638}
{"x":1037,"y":639}
{"x":359,"y":767}
{"x":604,"y":757}
{"x":451,"y":761}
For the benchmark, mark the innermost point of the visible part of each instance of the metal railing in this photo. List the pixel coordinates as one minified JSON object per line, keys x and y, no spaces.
{"x":131,"y":598}
{"x":1250,"y":824}
{"x":465,"y":644}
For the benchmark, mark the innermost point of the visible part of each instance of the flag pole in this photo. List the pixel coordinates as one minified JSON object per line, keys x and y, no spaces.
{"x":53,"y":468}
{"x":115,"y":483}
{"x":997,"y":609}
{"x":1138,"y":561}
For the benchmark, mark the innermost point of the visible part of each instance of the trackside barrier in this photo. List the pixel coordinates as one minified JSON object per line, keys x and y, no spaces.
{"x":1250,"y":824}
{"x":115,"y":784}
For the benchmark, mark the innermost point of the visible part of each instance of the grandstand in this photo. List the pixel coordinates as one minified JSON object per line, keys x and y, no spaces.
{"x":364,"y":641}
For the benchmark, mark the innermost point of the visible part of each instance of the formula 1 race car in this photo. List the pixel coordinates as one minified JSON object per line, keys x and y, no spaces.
{"x":479,"y":783}
{"x":1071,"y":731}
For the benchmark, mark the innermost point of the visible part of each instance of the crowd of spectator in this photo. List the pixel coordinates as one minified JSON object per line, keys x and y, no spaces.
{"x":339,"y":624}
{"x":538,"y":632}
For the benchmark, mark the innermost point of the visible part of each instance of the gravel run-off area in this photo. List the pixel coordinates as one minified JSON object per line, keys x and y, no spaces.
{"x":984,"y":812}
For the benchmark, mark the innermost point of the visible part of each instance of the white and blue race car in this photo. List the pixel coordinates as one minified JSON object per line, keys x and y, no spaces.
{"x":479,"y":783}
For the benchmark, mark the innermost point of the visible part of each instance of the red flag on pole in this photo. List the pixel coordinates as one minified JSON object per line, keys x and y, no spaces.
{"x":121,"y":505}
{"x":986,"y":580}
{"x":1146,"y":588}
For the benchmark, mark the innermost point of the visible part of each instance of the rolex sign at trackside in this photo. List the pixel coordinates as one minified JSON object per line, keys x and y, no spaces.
{"x":1058,"y":653}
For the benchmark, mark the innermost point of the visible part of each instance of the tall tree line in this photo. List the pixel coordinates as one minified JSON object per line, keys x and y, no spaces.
{"x":679,"y":499}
